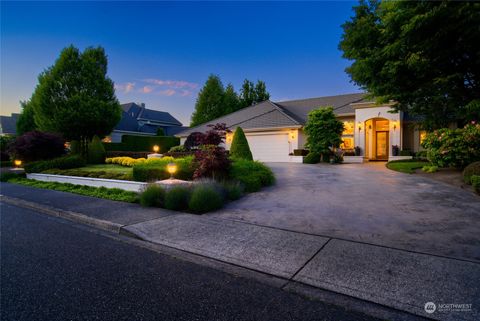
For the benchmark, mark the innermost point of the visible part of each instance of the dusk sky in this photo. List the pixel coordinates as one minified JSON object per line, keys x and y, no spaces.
{"x":161,"y":53}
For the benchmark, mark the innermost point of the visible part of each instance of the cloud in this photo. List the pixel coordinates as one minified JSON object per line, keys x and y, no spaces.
{"x":167,"y":92}
{"x":147,"y":89}
{"x":172,"y":83}
{"x":125,"y":87}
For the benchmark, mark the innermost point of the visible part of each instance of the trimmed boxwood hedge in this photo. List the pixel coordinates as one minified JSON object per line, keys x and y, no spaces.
{"x":470,"y":170}
{"x":252,"y":174}
{"x":65,"y":162}
{"x":134,"y":143}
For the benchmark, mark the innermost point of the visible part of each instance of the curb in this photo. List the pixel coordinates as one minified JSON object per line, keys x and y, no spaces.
{"x":69,"y":215}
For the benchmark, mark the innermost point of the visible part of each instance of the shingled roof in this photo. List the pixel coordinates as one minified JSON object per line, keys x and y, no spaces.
{"x":133,"y":113}
{"x":292,"y":113}
{"x":8,"y":124}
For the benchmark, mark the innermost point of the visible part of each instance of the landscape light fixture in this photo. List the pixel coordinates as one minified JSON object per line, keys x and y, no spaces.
{"x":156,"y":149}
{"x":17,"y":163}
{"x":171,"y":169}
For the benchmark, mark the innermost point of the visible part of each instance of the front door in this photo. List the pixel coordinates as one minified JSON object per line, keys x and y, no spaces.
{"x":382,"y":145}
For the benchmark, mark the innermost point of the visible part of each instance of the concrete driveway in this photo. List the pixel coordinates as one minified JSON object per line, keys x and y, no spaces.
{"x":367,"y":203}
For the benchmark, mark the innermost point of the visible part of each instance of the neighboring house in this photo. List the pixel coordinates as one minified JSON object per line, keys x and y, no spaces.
{"x":275,"y":129}
{"x":138,"y":120}
{"x":8,"y":124}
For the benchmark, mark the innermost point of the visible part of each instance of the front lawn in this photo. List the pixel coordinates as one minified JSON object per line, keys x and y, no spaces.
{"x":406,"y":166}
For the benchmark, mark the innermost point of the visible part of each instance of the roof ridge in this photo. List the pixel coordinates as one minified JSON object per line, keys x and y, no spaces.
{"x":352,"y":102}
{"x":281,"y":110}
{"x":268,"y":112}
{"x":303,"y":99}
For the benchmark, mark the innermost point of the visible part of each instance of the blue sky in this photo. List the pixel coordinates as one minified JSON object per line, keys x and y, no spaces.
{"x":161,"y":53}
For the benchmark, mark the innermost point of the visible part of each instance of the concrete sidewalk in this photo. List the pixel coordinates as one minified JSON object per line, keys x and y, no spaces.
{"x":394,"y":278}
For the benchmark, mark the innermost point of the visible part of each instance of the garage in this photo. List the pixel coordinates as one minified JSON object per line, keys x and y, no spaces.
{"x":269,"y":147}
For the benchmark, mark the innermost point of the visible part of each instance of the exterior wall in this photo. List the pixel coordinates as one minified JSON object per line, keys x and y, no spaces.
{"x":362,"y":115}
{"x":302,"y":139}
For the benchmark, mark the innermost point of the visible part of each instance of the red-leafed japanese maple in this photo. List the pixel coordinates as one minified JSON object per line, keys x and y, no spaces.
{"x":36,"y":145}
{"x":211,"y":159}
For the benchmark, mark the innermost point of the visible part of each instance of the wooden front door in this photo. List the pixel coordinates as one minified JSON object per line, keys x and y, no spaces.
{"x":382,"y":145}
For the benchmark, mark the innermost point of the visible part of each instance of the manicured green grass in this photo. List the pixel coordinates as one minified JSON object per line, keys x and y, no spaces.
{"x":406,"y":166}
{"x":114,"y":194}
{"x":107,"y":168}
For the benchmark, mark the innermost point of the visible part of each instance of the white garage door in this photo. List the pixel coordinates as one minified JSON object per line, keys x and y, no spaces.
{"x":269,"y":148}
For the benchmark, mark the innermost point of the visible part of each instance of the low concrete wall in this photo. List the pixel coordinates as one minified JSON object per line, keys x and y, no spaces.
{"x":353,"y":159}
{"x":392,"y":158}
{"x":89,"y":181}
{"x":295,"y":159}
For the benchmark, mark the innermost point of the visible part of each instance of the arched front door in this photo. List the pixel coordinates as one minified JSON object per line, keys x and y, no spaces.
{"x":377,"y":138}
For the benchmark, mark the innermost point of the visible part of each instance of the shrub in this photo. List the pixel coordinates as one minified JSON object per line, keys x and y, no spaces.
{"x":178,"y":149}
{"x":176,"y":198}
{"x":6,"y":163}
{"x":75,"y":148}
{"x":66,"y":162}
{"x":422,"y":155}
{"x":153,"y":195}
{"x":233,"y":190}
{"x":205,"y":198}
{"x":471,"y":169}
{"x":134,"y":143}
{"x":252,"y":174}
{"x":312,"y":158}
{"x":35,"y":145}
{"x":96,"y":151}
{"x":475,"y":179}
{"x":212,"y":162}
{"x":6,"y":176}
{"x":430,"y":168}
{"x":193,"y":140}
{"x":453,"y":147}
{"x":160,"y":131}
{"x":5,"y":142}
{"x":406,"y":152}
{"x":323,"y":130}
{"x":239,"y":148}
{"x":124,"y":161}
{"x":87,"y":173}
{"x":155,"y":169}
{"x":112,"y":154}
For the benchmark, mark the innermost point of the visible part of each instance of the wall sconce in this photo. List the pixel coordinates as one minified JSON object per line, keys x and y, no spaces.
{"x":394,"y":125}
{"x":292,"y":135}
{"x":369,"y":126}
{"x":359,"y":126}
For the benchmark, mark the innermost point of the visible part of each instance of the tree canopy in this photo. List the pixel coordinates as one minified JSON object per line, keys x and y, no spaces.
{"x":214,"y":100}
{"x":424,"y":55}
{"x":323,"y":130}
{"x":26,"y":121}
{"x":75,"y":98}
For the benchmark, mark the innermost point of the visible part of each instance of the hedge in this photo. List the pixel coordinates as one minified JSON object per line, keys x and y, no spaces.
{"x":156,"y":169}
{"x":470,"y":170}
{"x":134,"y":143}
{"x":252,"y":174}
{"x":65,"y":162}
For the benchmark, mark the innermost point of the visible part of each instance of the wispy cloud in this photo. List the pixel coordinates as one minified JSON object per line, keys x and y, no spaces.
{"x":125,"y":87}
{"x":167,"y":92}
{"x":172,"y":83}
{"x":147,"y":89}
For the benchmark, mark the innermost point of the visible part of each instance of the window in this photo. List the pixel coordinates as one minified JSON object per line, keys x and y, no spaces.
{"x":423,"y":135}
{"x":347,"y":135}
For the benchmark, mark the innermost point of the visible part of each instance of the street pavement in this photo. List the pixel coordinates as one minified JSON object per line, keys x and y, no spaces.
{"x":53,"y":269}
{"x":385,"y":276}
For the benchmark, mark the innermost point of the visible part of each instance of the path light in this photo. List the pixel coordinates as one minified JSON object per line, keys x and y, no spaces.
{"x":17,"y":163}
{"x":171,"y":169}
{"x":156,"y":149}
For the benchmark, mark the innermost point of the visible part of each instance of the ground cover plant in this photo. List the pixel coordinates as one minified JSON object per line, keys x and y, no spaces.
{"x":406,"y":166}
{"x":114,"y":194}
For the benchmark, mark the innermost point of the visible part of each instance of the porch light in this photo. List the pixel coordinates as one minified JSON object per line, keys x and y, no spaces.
{"x":359,"y":126}
{"x":394,"y":125}
{"x":156,"y":149}
{"x":171,"y":169}
{"x":17,"y":163}
{"x":292,"y":134}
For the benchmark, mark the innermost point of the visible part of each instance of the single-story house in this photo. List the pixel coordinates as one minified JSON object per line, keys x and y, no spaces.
{"x":8,"y":124}
{"x":275,"y":129}
{"x":138,"y":120}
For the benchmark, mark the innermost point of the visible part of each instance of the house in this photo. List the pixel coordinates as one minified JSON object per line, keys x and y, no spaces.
{"x":138,"y":120}
{"x":275,"y":129}
{"x":8,"y":124}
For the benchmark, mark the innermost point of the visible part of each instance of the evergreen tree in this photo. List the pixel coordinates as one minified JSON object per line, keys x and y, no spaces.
{"x":230,"y":100}
{"x":247,"y":94}
{"x":261,"y":93}
{"x":210,"y":101}
{"x":240,"y":148}
{"x":96,"y":151}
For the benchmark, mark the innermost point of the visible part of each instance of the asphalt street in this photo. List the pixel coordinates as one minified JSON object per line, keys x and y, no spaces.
{"x":53,"y":269}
